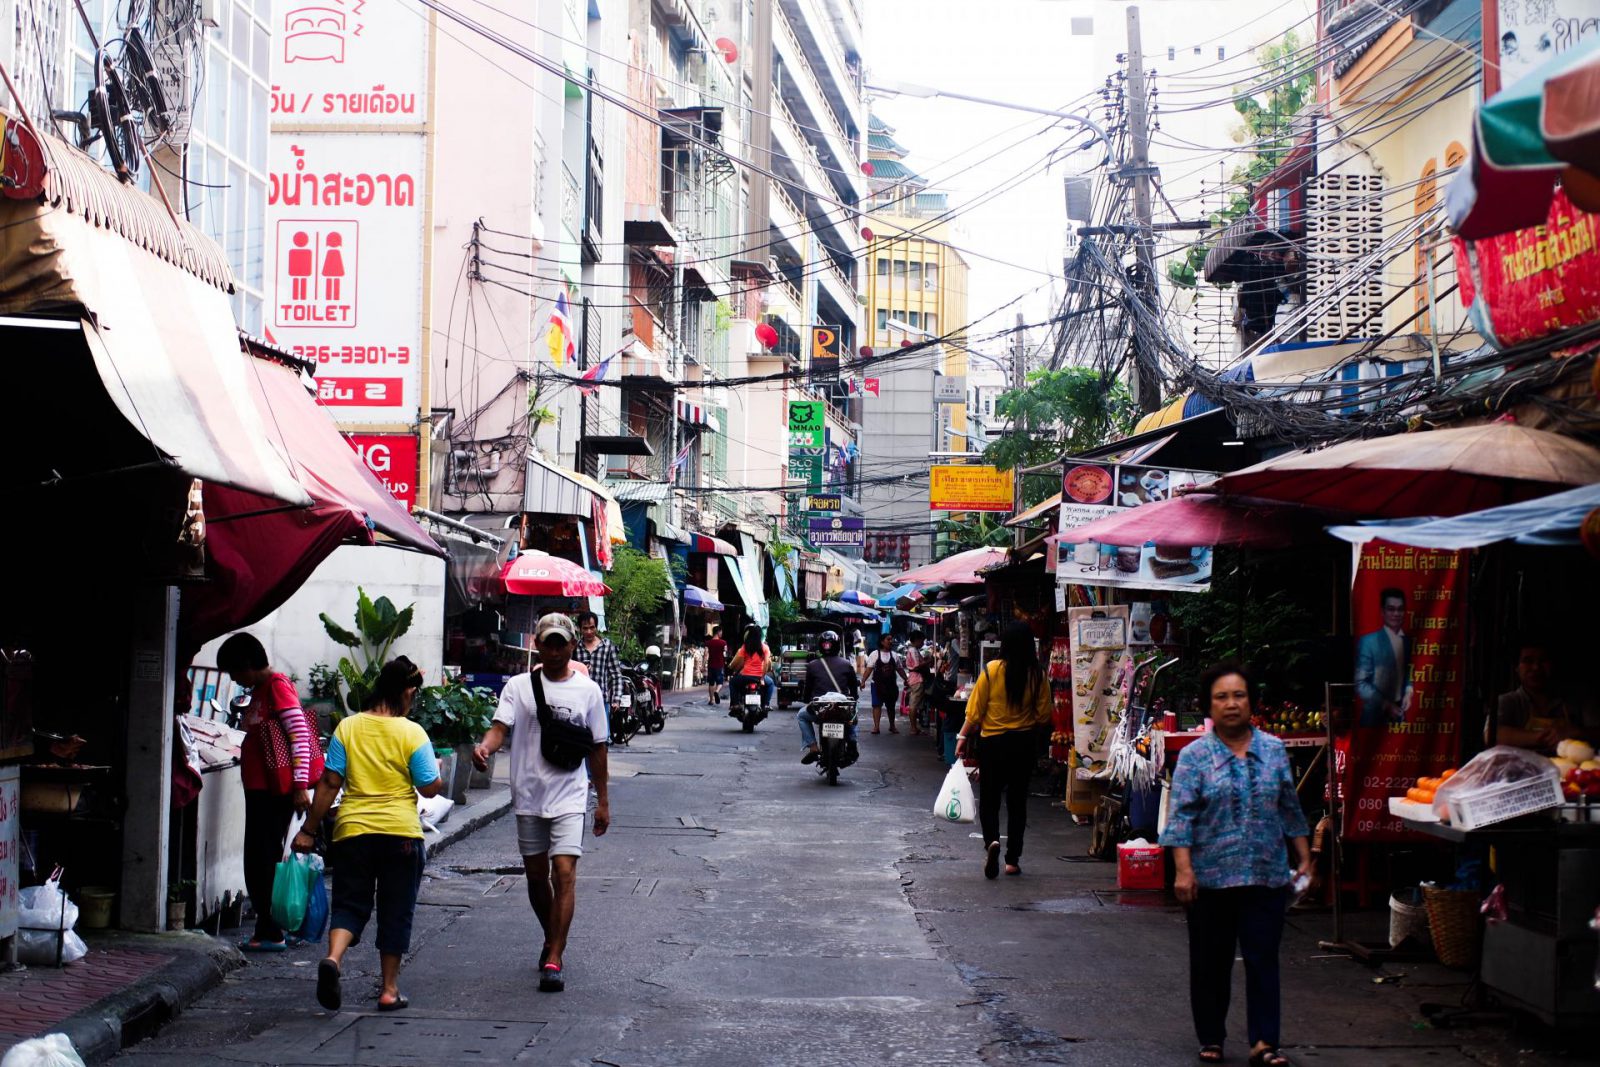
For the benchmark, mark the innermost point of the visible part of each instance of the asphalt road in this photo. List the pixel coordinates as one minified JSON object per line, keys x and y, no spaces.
{"x":741,"y":911}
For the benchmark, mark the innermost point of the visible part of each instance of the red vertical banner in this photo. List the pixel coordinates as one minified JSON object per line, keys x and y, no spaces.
{"x":1408,"y":610}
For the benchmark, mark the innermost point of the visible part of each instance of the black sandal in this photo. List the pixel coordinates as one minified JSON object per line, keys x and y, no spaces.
{"x":328,"y":993}
{"x":1269,"y":1057}
{"x":1210,"y":1053}
{"x":991,"y":863}
{"x":399,"y":1003}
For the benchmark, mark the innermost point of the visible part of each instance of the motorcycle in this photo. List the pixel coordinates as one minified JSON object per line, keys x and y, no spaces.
{"x":624,"y":719}
{"x":747,"y":700}
{"x":647,"y":698}
{"x":835,"y":751}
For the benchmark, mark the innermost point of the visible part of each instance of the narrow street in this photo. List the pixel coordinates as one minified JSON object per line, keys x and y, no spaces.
{"x":741,"y":911}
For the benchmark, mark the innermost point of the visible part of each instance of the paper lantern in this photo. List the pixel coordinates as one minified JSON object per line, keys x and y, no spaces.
{"x":766,"y":335}
{"x":866,"y":351}
{"x":866,"y":234}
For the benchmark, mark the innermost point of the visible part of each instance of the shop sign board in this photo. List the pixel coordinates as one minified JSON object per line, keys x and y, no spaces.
{"x":826,"y":344}
{"x":823,"y":503}
{"x":950,"y":389}
{"x":1533,"y":31}
{"x":872,"y":386}
{"x":837,"y":532}
{"x":1101,"y":667}
{"x":1091,"y":491}
{"x":807,"y":425}
{"x":10,"y":847}
{"x":360,"y":65}
{"x":1531,"y":283}
{"x":392,"y":458}
{"x":971,"y":487}
{"x":807,"y":470}
{"x":1409,"y":681}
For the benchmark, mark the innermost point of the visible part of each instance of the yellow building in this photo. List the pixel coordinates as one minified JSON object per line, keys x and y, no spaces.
{"x":914,"y":276}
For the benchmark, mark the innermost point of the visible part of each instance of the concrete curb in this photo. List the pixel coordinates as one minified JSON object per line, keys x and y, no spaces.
{"x":129,"y":1015}
{"x":465,"y":820}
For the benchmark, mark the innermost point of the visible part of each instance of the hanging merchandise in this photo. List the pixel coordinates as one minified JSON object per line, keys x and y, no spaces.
{"x":1100,"y":665}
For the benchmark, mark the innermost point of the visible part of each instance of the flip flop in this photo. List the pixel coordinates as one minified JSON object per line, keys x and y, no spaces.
{"x":550,"y":980}
{"x":399,"y":1003}
{"x":991,"y":862}
{"x":1210,"y":1053}
{"x":250,"y":944}
{"x":328,"y":992}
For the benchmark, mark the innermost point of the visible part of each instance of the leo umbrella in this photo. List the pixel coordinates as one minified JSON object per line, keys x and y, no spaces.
{"x":1435,"y":472}
{"x":541,"y":574}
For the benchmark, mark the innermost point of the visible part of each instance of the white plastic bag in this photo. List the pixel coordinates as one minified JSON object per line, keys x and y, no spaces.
{"x":51,"y":1050}
{"x":1495,"y":766}
{"x":955,"y":802}
{"x":433,"y":811}
{"x":37,"y":948}
{"x":43,"y":907}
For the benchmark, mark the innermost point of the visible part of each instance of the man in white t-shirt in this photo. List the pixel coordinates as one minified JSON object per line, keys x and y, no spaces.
{"x":549,"y":802}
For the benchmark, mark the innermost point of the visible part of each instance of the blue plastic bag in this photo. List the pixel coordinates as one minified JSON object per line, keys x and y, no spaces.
{"x":316,"y":902}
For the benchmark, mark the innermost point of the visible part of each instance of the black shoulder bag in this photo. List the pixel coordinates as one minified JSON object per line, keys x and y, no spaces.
{"x":563,"y":745}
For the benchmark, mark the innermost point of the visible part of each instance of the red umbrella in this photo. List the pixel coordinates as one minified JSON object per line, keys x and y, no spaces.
{"x":963,"y":568}
{"x":1202,"y":519}
{"x":541,"y":574}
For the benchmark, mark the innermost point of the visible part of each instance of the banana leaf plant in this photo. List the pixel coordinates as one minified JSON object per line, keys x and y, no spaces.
{"x":378,"y":626}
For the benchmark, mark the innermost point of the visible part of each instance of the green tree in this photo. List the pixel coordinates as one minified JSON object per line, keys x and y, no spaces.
{"x":1058,"y":413}
{"x":1267,"y":108}
{"x":974,"y":529}
{"x":640,"y":586}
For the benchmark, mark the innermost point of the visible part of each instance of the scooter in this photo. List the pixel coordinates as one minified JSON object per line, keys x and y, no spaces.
{"x":624,"y":719}
{"x":747,"y":700}
{"x":647,"y":698}
{"x":835,"y":751}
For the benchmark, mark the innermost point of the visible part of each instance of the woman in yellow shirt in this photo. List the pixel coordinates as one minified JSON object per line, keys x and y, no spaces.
{"x":382,"y":760}
{"x":1009,"y":700}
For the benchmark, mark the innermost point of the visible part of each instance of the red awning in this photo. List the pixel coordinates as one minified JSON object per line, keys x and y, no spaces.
{"x":963,"y":568}
{"x":1203,"y":519}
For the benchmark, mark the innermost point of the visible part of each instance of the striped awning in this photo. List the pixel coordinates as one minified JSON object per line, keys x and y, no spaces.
{"x":699,"y":415}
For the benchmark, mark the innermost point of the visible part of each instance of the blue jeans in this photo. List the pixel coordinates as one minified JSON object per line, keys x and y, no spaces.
{"x":808,"y":728}
{"x":1249,"y":918}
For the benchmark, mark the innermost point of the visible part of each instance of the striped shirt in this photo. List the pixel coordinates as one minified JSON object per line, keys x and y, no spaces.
{"x":1235,"y":812}
{"x":605,"y":667}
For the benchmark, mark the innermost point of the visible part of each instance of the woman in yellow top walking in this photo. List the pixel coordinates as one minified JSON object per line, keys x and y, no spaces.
{"x":382,"y":760}
{"x":1009,"y":700}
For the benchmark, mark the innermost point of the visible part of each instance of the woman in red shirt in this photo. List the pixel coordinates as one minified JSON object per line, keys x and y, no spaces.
{"x":279,"y":762}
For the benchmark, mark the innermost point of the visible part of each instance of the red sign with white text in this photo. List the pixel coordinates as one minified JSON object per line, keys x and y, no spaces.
{"x":365,"y":392}
{"x":1408,"y":609}
{"x":393,"y":458}
{"x":1534,"y":282}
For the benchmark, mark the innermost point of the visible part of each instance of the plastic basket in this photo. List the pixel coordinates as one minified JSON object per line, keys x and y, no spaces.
{"x":1496,"y":803}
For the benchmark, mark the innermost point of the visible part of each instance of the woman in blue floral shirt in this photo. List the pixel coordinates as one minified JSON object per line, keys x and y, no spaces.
{"x":1233,"y":805}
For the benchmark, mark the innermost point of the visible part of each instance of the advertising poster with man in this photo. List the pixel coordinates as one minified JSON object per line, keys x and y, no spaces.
{"x":1407,"y":609}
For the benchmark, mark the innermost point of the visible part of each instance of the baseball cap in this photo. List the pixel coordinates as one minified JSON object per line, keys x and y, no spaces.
{"x":555,"y":623}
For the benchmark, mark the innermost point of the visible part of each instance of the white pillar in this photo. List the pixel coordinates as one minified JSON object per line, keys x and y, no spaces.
{"x":147,"y":826}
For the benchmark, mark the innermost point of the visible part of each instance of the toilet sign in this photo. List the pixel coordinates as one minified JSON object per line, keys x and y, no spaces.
{"x":317,"y":268}
{"x":392,"y":457}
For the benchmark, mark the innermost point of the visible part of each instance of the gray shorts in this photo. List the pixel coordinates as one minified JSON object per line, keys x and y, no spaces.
{"x":558,"y":836}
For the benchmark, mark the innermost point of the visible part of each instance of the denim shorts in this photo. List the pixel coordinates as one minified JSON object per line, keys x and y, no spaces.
{"x":381,"y":868}
{"x":716,"y":675}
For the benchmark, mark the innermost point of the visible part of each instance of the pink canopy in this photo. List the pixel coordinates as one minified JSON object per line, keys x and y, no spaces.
{"x":1203,"y":519}
{"x":541,"y":574}
{"x":963,"y":568}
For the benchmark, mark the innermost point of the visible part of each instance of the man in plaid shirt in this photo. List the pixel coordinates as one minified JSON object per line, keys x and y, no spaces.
{"x":600,"y":656}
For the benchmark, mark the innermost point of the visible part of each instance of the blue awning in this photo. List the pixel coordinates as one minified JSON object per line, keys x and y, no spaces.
{"x":1549,"y":520}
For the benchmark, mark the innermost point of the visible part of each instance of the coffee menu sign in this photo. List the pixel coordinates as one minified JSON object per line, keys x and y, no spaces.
{"x":1091,"y":491}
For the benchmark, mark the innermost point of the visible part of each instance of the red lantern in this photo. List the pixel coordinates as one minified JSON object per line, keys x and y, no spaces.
{"x":766,"y":335}
{"x":866,"y":351}
{"x":866,"y":234}
{"x":905,"y":344}
{"x":866,"y":168}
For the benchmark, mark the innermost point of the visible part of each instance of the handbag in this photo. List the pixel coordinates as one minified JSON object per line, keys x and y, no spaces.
{"x":563,"y":745}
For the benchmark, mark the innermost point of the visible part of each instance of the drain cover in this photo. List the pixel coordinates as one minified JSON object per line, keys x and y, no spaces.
{"x":380,"y":1040}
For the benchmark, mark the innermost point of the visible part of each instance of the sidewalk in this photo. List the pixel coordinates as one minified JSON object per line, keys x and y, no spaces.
{"x":129,"y":985}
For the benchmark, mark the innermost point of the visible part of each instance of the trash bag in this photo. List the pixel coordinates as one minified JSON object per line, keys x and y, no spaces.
{"x":316,"y":902}
{"x":955,"y":802}
{"x":291,"y":891}
{"x":46,"y":907}
{"x":1499,"y":765}
{"x":37,"y":948}
{"x":51,"y":1050}
{"x":433,"y":811}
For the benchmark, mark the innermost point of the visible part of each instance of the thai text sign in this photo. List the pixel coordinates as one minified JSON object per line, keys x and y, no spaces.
{"x":838,"y":532}
{"x":1534,"y":282}
{"x":975,"y":487}
{"x":807,"y":470}
{"x":825,"y":347}
{"x":823,"y":503}
{"x":1407,"y":606}
{"x":392,"y":458}
{"x":806,"y":426}
{"x":365,"y":63}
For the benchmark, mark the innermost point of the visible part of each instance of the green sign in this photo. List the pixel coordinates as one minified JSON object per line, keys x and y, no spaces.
{"x":807,"y":470}
{"x":806,"y":426}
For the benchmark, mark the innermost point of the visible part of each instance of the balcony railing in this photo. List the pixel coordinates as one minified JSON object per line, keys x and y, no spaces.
{"x":782,"y":28}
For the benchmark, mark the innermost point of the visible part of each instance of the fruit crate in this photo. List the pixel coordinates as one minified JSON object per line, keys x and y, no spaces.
{"x":1472,"y":809}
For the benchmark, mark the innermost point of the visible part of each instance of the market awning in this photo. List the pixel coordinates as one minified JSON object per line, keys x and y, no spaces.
{"x":1202,"y":519}
{"x":159,"y":325}
{"x":745,"y":570}
{"x":905,"y":595}
{"x":549,"y":489}
{"x":835,"y":609}
{"x":615,"y":529}
{"x":963,"y":568}
{"x":711,"y":546}
{"x":1036,"y":514}
{"x":1548,"y":520}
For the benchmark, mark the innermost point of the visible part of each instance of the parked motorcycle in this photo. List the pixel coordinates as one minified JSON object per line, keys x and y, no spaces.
{"x":624,"y":719}
{"x":647,"y":704}
{"x":834,"y":748}
{"x":747,"y":700}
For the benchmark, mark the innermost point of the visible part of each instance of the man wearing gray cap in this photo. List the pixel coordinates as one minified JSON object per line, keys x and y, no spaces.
{"x":550,"y":801}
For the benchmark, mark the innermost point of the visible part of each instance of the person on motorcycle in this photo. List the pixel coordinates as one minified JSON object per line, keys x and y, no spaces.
{"x":754,"y":660}
{"x":829,"y":672}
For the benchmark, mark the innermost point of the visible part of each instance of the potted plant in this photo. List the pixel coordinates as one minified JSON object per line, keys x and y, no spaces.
{"x":324,"y":702}
{"x":378,"y":626}
{"x":178,"y":903}
{"x":455,"y":715}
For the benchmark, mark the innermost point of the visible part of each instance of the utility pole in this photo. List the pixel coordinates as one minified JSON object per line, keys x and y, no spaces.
{"x":1019,"y":350}
{"x":1145,"y":380}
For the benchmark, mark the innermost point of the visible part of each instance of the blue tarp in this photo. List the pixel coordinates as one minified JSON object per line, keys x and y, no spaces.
{"x":1549,"y":520}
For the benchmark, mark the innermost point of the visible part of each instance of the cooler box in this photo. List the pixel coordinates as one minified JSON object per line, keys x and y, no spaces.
{"x":1140,"y":867}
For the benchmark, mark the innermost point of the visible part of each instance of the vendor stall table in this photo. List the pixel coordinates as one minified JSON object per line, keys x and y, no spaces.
{"x":1542,"y":957}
